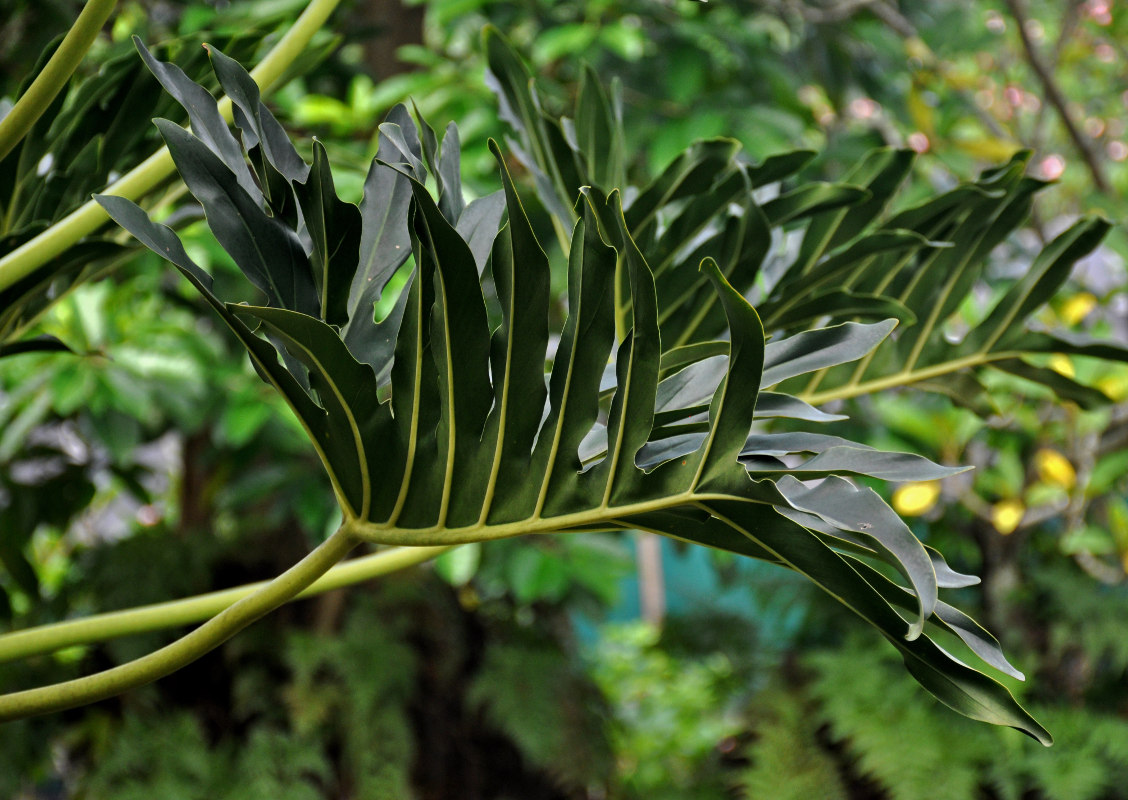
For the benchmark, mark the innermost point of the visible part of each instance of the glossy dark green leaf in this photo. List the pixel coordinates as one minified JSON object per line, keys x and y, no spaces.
{"x":521,"y":277}
{"x":585,"y":344}
{"x":692,"y":386}
{"x":797,"y":288}
{"x":334,"y":227}
{"x":1037,"y":285}
{"x":162,"y":240}
{"x":949,"y":618}
{"x":472,"y":445}
{"x":863,"y":512}
{"x":880,"y":173}
{"x":1068,"y":343}
{"x":735,"y":400}
{"x":632,"y":408}
{"x":696,"y":215}
{"x":400,"y":144}
{"x":38,"y":344}
{"x":963,"y":389}
{"x":739,"y":239}
{"x":811,"y":198}
{"x":779,"y":166}
{"x":259,"y":126}
{"x":956,"y":685}
{"x":690,"y":174}
{"x":443,"y":161}
{"x":459,"y":345}
{"x":598,"y":132}
{"x":984,"y":224}
{"x":839,"y":304}
{"x":774,"y":404}
{"x":974,"y":695}
{"x":345,"y":388}
{"x":511,"y":82}
{"x":825,"y":347}
{"x":268,"y":253}
{"x":837,"y":456}
{"x":1064,"y":387}
{"x":203,"y":114}
{"x":679,"y":357}
{"x":385,"y":245}
{"x":479,"y":223}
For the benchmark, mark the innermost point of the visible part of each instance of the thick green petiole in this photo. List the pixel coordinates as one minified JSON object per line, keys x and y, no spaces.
{"x":159,"y":616}
{"x":149,"y":174}
{"x":59,"y":68}
{"x":207,"y":637}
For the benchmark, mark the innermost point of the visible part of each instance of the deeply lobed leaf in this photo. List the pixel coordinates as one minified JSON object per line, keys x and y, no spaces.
{"x":437,"y":429}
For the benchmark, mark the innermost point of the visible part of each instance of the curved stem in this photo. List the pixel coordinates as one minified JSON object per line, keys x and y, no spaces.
{"x":158,"y":616}
{"x":55,"y":74}
{"x":147,"y":175}
{"x":170,"y":658}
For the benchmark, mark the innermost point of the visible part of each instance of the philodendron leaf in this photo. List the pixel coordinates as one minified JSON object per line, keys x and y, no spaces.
{"x":958,"y":686}
{"x":163,"y":241}
{"x":538,"y":149}
{"x":810,"y":199}
{"x":439,"y":428}
{"x":849,"y":508}
{"x":880,"y":173}
{"x":260,"y":128}
{"x":267,"y":252}
{"x":1061,"y":385}
{"x":841,"y":303}
{"x":932,"y":282}
{"x":203,"y":114}
{"x":1037,"y":285}
{"x":385,"y":246}
{"x":344,"y":387}
{"x":335,"y":228}
{"x":821,"y":348}
{"x":951,"y":619}
{"x":598,"y":131}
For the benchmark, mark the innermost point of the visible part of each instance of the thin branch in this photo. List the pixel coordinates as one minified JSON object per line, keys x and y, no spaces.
{"x":1056,"y":98}
{"x":1095,"y":568}
{"x":888,"y":13}
{"x":1068,"y":25}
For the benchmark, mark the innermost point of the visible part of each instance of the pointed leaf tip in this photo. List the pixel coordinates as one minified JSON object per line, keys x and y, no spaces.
{"x":709,"y":267}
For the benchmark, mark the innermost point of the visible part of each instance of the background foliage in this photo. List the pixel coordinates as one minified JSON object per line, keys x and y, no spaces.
{"x":158,"y":464}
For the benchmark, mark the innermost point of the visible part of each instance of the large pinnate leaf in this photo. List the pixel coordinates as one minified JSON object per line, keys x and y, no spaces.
{"x":438,"y":429}
{"x":856,"y":260}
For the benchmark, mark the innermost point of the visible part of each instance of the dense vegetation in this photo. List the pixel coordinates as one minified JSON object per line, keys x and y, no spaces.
{"x":150,"y":462}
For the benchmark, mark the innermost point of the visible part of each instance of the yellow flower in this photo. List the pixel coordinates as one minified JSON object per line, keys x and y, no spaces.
{"x":1062,"y":365}
{"x":914,"y":499}
{"x":1115,"y":386}
{"x":1054,"y":468}
{"x":1006,"y":515}
{"x":1077,"y":307}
